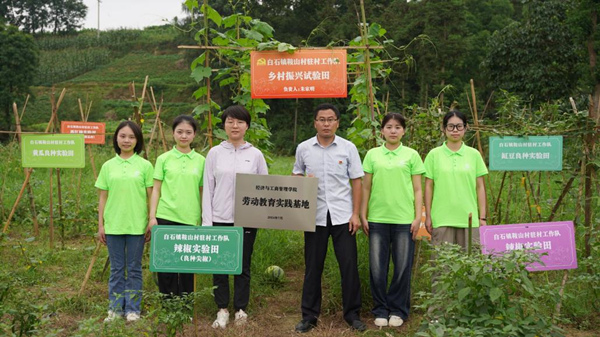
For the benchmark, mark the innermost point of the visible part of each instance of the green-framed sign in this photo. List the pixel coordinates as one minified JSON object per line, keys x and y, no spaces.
{"x":529,"y":153}
{"x":53,"y":150}
{"x":196,"y":249}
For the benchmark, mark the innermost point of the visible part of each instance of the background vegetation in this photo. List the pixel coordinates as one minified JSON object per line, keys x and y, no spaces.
{"x":526,"y":57}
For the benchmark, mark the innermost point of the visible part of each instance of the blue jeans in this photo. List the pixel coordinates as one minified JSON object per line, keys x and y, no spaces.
{"x":394,"y":240}
{"x":125,"y":289}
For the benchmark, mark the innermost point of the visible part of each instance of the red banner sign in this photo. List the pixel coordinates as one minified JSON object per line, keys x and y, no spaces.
{"x":94,"y":132}
{"x":303,"y":74}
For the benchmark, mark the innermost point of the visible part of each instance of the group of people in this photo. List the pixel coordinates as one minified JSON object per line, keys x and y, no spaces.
{"x":382,"y":195}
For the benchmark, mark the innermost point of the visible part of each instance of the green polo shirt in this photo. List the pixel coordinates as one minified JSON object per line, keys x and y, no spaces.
{"x":392,"y":197}
{"x":454,"y":176}
{"x":126,"y":180}
{"x":181,"y":175}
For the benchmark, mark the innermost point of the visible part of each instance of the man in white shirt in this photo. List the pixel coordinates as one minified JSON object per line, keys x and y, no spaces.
{"x":336,"y":162}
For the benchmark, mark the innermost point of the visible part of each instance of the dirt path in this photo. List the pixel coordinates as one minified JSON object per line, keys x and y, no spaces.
{"x":280,"y":314}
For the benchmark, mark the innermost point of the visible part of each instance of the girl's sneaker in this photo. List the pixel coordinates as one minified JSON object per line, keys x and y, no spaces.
{"x":111,"y":316}
{"x":132,"y":317}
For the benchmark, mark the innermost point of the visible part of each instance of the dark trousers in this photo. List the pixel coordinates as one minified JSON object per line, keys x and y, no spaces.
{"x":174,"y":284}
{"x":241,"y":283}
{"x":315,"y":251}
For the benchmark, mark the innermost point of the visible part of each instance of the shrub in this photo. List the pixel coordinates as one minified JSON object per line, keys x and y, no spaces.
{"x":484,"y":295}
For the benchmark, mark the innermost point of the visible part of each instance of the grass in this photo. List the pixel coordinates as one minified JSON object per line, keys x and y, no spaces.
{"x":162,"y":69}
{"x":29,"y":268}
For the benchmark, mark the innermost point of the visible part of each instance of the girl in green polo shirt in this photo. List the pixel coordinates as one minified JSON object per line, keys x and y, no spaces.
{"x":177,"y":195}
{"x":391,"y":216}
{"x":125,"y":185}
{"x":454,"y":186}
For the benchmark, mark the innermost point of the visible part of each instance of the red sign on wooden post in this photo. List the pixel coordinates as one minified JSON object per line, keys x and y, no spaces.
{"x":94,"y":132}
{"x":303,"y":74}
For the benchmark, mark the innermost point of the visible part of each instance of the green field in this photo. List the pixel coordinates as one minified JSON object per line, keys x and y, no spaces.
{"x":30,"y":268}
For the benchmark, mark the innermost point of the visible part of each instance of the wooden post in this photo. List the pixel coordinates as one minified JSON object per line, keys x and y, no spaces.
{"x":60,"y":212}
{"x":478,"y":136}
{"x":89,"y":270}
{"x":14,"y":208}
{"x":367,"y":54}
{"x":499,"y":194}
{"x":470,"y":234}
{"x":209,"y":128}
{"x":51,"y":212}
{"x":561,"y":292}
{"x":36,"y":229}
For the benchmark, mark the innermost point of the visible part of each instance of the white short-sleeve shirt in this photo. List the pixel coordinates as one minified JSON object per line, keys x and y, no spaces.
{"x":334,"y":165}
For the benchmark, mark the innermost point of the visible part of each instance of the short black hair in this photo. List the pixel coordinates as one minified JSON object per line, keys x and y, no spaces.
{"x":137,"y":131}
{"x":185,"y":119}
{"x":451,"y":114}
{"x":237,"y":112}
{"x":327,"y":106}
{"x":393,"y":116}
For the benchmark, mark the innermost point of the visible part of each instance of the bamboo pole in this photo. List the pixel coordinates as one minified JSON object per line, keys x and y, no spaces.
{"x":51,"y":211}
{"x":89,"y":270}
{"x":367,"y":55}
{"x":209,"y":129}
{"x":253,"y":48}
{"x":478,"y":136}
{"x":36,"y":229}
{"x":14,"y":208}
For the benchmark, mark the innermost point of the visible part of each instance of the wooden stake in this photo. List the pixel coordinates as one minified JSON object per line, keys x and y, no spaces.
{"x":60,"y":212}
{"x":14,"y":208}
{"x":89,"y":270}
{"x":561,"y":292}
{"x":470,"y":234}
{"x":34,"y":218}
{"x":51,"y":212}
{"x":209,"y":129}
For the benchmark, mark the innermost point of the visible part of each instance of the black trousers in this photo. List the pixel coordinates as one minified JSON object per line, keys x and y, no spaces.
{"x":174,"y":284}
{"x":315,"y":251}
{"x":241,"y":283}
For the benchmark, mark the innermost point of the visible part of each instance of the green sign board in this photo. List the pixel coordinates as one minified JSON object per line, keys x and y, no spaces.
{"x":197,"y":249}
{"x":57,"y":151}
{"x":530,"y":153}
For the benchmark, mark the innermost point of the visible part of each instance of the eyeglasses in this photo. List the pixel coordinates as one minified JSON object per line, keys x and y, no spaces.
{"x":457,"y":127}
{"x":328,"y":120}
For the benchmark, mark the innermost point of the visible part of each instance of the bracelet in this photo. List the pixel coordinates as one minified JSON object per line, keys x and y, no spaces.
{"x":484,"y":219}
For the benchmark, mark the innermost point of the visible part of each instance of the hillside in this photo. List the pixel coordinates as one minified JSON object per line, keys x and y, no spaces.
{"x":100,"y":70}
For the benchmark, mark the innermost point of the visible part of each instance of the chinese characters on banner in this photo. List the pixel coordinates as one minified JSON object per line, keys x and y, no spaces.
{"x":532,"y":153}
{"x":275,"y":202}
{"x":557,"y":239}
{"x":196,"y":249}
{"x":94,"y":132}
{"x":53,"y":150}
{"x":303,"y":74}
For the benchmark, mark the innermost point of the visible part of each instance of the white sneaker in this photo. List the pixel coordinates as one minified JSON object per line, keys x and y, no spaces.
{"x":381,"y":322}
{"x":132,"y":317}
{"x":111,"y":316}
{"x":222,"y":319}
{"x":241,"y":317}
{"x":396,"y":320}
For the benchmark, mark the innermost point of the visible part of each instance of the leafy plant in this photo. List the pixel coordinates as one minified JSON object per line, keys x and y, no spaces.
{"x":484,"y":295}
{"x":234,"y":33}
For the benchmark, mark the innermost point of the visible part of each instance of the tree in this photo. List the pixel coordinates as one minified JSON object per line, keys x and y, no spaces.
{"x":536,"y":57}
{"x":18,"y":64}
{"x":39,"y":16}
